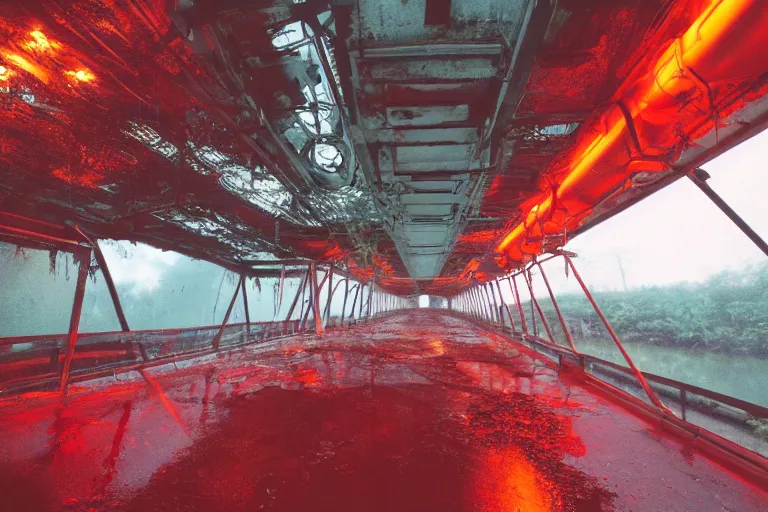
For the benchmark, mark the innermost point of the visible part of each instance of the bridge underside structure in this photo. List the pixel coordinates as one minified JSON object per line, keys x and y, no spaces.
{"x":425,"y":145}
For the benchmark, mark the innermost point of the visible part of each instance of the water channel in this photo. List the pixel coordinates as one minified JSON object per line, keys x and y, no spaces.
{"x":743,"y":377}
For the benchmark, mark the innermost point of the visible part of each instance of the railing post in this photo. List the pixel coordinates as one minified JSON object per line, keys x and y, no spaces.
{"x":327,"y":313}
{"x":315,"y":292}
{"x":506,"y":306}
{"x":102,"y":262}
{"x":305,"y":302}
{"x":344,"y":304}
{"x":513,"y":287}
{"x":245,"y":305}
{"x":486,"y":304}
{"x":529,"y":282}
{"x":370,"y":302}
{"x":362,"y":298}
{"x":683,"y":403}
{"x":478,"y":304}
{"x":482,"y":310}
{"x":299,"y":295}
{"x":496,"y":309}
{"x":280,"y":290}
{"x":557,"y":309}
{"x":492,"y":318}
{"x":356,"y":289}
{"x":217,"y":338}
{"x":651,"y":394}
{"x":84,"y":259}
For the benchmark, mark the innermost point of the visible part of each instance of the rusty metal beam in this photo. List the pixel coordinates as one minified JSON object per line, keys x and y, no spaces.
{"x":299,"y":295}
{"x":513,"y":287}
{"x":217,"y":338}
{"x":245,"y":304}
{"x":536,"y":21}
{"x":557,"y":309}
{"x":102,"y":262}
{"x":84,"y":259}
{"x":327,"y":312}
{"x":506,"y":306}
{"x":650,"y":392}
{"x":529,"y":282}
{"x":344,"y":304}
{"x":699,"y":177}
{"x":315,"y":293}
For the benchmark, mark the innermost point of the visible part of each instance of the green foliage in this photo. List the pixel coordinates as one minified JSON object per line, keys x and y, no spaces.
{"x":727,"y":313}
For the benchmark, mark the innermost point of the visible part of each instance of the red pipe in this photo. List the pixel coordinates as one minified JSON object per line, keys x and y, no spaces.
{"x":634,"y":135}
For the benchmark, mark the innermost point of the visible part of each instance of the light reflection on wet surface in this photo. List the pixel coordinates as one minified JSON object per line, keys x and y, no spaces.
{"x":428,"y":414}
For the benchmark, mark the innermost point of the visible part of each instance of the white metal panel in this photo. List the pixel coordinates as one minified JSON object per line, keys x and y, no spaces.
{"x":427,"y":115}
{"x":435,"y":153}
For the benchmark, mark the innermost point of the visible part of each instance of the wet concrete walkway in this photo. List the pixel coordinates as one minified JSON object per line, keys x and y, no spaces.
{"x":415,"y":412}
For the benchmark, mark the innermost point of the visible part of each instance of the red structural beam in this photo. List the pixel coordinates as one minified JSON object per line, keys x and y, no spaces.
{"x":650,"y":392}
{"x":84,"y":261}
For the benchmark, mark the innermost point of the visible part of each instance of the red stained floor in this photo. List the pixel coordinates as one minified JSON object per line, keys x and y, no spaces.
{"x":416,"y":412}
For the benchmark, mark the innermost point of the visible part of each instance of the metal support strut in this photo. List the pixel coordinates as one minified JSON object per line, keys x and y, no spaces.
{"x":651,"y":394}
{"x":102,"y":262}
{"x":529,"y":282}
{"x":557,"y":310}
{"x":217,"y":338}
{"x":74,"y":320}
{"x":699,"y":177}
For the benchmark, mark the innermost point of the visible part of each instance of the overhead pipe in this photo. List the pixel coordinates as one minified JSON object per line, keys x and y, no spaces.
{"x":634,"y":134}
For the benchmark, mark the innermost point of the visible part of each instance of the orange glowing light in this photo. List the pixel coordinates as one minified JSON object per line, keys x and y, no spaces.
{"x":30,"y":67}
{"x":81,"y":75}
{"x":647,"y":99}
{"x":41,"y":43}
{"x":437,"y":347}
{"x":511,"y":482}
{"x":5,"y":73}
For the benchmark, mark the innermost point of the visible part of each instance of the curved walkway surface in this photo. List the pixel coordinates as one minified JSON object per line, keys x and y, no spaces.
{"x":419,"y":411}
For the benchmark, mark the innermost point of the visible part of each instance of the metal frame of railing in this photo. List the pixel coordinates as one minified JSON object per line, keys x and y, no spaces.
{"x":39,"y":362}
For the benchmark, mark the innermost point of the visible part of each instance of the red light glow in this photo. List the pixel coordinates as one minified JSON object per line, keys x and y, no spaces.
{"x":81,"y":75}
{"x":41,"y":43}
{"x":27,"y":65}
{"x":668,"y":94}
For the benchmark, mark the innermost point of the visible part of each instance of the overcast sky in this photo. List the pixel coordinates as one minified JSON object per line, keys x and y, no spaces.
{"x":675,"y":235}
{"x":678,"y":234}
